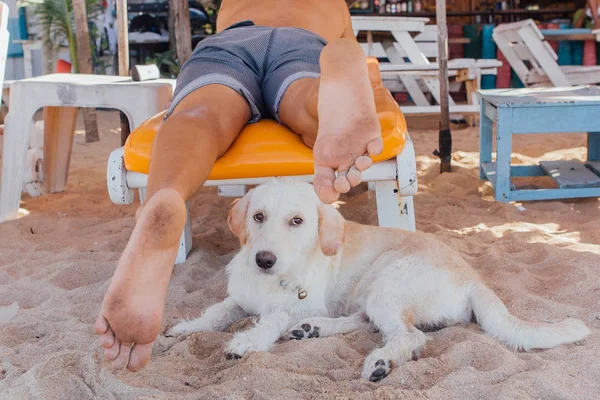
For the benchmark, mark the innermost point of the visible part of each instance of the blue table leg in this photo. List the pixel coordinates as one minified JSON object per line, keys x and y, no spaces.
{"x":593,"y":145}
{"x":503,"y":154}
{"x":485,"y":140}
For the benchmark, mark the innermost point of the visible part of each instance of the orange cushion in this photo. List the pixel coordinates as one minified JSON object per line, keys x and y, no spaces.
{"x":267,"y":148}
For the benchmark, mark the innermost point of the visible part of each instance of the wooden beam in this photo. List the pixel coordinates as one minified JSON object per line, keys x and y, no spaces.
{"x":182,"y":30}
{"x":123,"y":37}
{"x":123,"y":56}
{"x":84,"y":64}
{"x":445,"y":137}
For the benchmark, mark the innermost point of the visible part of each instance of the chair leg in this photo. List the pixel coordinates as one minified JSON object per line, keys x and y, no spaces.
{"x":142,"y":193}
{"x":16,"y":143}
{"x":59,"y":130}
{"x":485,"y":141}
{"x":393,"y":210}
{"x":593,"y":146}
{"x":503,"y":155}
{"x":185,"y":244}
{"x":472,"y":86}
{"x":232,"y":190}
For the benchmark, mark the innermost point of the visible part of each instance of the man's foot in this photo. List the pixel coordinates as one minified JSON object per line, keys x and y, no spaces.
{"x":132,"y":310}
{"x":349,"y":130}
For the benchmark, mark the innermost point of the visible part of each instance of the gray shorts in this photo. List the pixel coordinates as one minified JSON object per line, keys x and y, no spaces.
{"x":259,"y":62}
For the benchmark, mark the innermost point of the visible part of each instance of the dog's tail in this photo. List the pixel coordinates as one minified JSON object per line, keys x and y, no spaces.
{"x":494,"y":318}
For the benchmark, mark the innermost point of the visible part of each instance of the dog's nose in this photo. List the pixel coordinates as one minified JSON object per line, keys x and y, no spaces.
{"x":265,"y":259}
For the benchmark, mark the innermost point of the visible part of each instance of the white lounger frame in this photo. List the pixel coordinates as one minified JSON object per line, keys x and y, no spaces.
{"x":394,"y":181}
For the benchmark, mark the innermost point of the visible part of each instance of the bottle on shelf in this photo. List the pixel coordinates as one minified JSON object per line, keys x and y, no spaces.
{"x":418,"y":6}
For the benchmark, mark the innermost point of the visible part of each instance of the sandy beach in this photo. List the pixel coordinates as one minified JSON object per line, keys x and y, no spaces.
{"x":542,"y":259}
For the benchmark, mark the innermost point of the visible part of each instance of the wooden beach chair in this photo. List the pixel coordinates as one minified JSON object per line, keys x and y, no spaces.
{"x":420,"y":75}
{"x":267,"y":149}
{"x":534,"y":60}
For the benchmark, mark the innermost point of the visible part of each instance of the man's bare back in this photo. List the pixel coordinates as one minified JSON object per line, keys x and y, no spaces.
{"x":329,"y":19}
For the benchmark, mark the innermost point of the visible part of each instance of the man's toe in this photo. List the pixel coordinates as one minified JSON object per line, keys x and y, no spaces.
{"x":107,"y":339}
{"x":122,"y":359}
{"x":140,"y":355}
{"x":112,"y":352}
{"x":101,"y":325}
{"x":323,"y":184}
{"x":341,"y":183}
{"x":354,"y":176}
{"x":375,"y":146}
{"x":363,"y":163}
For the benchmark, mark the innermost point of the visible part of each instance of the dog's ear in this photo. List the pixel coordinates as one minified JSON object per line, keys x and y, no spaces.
{"x":237,"y":217}
{"x":332,"y":229}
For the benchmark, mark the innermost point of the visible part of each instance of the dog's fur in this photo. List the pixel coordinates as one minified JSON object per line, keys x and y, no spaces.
{"x":356,"y":277}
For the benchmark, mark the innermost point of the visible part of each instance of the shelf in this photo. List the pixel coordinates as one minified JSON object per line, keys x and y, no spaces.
{"x":474,"y":13}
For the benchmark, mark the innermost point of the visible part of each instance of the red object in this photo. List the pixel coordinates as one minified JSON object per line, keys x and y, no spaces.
{"x":589,"y":52}
{"x":503,"y":77}
{"x":63,"y":67}
{"x":553,"y":43}
{"x":401,"y":97}
{"x":456,"y":50}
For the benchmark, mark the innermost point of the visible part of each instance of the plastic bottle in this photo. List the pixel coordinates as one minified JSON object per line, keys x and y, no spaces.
{"x":418,"y":6}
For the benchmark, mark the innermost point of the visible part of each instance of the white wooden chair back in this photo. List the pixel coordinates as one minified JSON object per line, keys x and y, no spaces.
{"x":532,"y":58}
{"x":426,"y":42}
{"x":4,"y":35}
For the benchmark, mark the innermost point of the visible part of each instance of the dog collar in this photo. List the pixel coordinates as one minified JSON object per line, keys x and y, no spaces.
{"x":301,"y":292}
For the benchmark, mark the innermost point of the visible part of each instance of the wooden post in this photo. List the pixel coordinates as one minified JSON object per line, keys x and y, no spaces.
{"x":123,"y":37}
{"x":123,"y":51}
{"x":84,"y":65}
{"x":444,"y":151}
{"x":181,"y":29}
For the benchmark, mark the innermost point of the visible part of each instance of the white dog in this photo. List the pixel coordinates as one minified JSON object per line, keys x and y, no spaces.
{"x":309,"y":273}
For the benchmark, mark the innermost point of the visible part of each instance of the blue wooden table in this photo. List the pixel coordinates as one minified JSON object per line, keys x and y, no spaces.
{"x":540,"y":110}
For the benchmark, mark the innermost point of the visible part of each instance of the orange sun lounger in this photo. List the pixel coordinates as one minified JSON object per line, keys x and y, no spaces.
{"x":267,"y":149}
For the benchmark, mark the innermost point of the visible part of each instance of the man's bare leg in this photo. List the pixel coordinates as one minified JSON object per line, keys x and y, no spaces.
{"x":202,"y":128}
{"x":336,"y":114}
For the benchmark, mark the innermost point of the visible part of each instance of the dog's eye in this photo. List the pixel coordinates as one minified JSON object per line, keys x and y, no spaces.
{"x":296,"y":221}
{"x":259,"y":217}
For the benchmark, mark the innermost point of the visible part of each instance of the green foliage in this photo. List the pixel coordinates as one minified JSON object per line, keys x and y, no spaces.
{"x":167,"y":59}
{"x":56,"y":18}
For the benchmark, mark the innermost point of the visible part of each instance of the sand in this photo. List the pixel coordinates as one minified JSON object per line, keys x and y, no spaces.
{"x":543,"y":261}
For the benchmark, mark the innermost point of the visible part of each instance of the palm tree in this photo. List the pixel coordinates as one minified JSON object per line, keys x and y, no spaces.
{"x":84,"y":65}
{"x":59,"y":25}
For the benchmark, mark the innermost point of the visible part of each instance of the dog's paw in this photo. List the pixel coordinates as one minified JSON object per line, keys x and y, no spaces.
{"x":240,"y":345}
{"x":376,"y":371}
{"x":303,"y":331}
{"x":182,"y":328}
